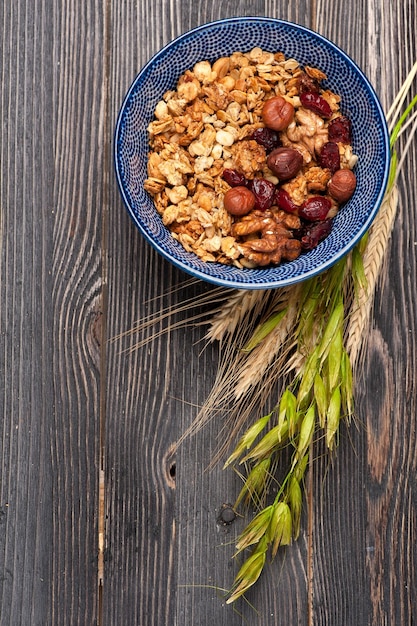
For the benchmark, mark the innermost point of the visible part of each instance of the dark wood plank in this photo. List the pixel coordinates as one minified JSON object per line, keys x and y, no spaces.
{"x":25,"y":524}
{"x":79,"y":282}
{"x":52,"y":182}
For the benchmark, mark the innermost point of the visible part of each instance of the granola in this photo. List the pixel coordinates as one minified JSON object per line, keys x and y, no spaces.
{"x":210,"y":125}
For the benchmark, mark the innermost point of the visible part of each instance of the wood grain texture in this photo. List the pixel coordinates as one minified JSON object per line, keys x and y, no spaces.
{"x":79,"y":399}
{"x":51,"y":159}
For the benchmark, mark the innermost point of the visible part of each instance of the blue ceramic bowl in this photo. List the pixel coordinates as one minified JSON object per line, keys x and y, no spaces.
{"x":222,"y":38}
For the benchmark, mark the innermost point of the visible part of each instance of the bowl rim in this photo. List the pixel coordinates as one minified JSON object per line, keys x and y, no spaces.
{"x":267,"y":284}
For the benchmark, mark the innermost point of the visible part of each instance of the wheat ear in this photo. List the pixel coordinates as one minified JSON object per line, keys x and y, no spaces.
{"x":274,"y":349}
{"x":227,"y":318}
{"x":373,"y":259}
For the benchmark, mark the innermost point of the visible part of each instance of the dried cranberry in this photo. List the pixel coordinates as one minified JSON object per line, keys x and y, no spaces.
{"x":234,"y":178}
{"x":330,"y":157}
{"x":267,"y":138}
{"x":316,"y":103}
{"x":340,"y":129}
{"x":284,"y":201}
{"x":264,"y":192}
{"x":306,"y":84}
{"x":314,"y":233}
{"x":315,"y":208}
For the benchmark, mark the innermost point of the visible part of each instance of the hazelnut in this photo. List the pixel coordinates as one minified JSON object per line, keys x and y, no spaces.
{"x":342,"y":185}
{"x":277,"y":113}
{"x":239,"y":201}
{"x":285,"y":162}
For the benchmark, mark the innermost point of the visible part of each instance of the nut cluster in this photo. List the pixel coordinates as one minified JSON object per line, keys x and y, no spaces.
{"x":269,"y":237}
{"x":240,"y":140}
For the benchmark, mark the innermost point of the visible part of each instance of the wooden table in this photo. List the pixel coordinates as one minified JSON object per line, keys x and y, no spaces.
{"x":83,"y":417}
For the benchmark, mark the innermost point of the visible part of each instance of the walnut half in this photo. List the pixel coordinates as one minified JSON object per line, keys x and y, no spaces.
{"x":265,"y":238}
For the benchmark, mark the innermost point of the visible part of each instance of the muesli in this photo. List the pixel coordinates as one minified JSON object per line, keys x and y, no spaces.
{"x":250,"y":159}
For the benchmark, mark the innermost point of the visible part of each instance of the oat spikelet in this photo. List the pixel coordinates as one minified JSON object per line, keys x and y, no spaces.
{"x":273,"y":349}
{"x":373,"y":259}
